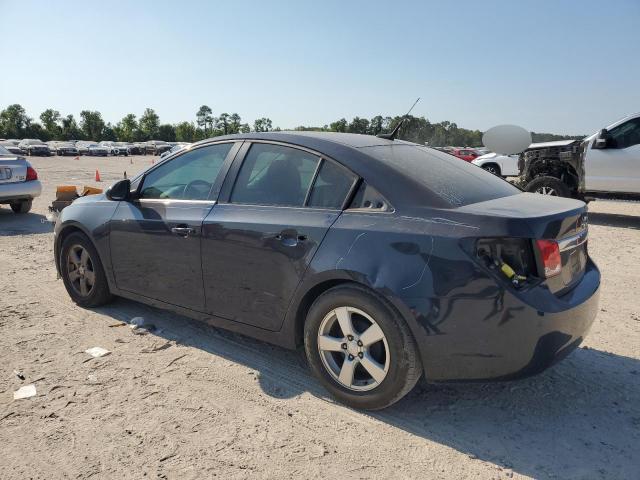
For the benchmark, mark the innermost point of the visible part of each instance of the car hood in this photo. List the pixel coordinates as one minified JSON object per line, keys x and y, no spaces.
{"x":89,"y":199}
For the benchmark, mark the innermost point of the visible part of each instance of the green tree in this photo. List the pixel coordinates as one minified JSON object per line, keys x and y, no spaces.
{"x":13,"y":121}
{"x":50,"y":119}
{"x":235,"y":123}
{"x":358,"y":125}
{"x":70,"y":129}
{"x":222,"y":123}
{"x":109,"y":133}
{"x":262,"y":125}
{"x":149,"y":124}
{"x":126,"y":129}
{"x":167,"y":132}
{"x":204,"y":118}
{"x":339,"y":126}
{"x":185,"y":132}
{"x":91,"y":124}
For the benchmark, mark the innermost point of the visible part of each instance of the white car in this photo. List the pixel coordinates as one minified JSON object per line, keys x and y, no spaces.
{"x":603,"y":165}
{"x":19,"y":183}
{"x":501,"y":165}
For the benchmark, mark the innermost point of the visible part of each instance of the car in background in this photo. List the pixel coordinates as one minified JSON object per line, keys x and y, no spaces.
{"x":92,"y":149}
{"x":64,"y":149}
{"x":604,"y":165}
{"x":120,"y":148}
{"x":156,"y":147}
{"x":177,"y":146}
{"x":138,"y":148}
{"x":11,"y":147}
{"x":19,"y":183}
{"x":33,"y":146}
{"x":385,"y":259}
{"x":501,"y":165}
{"x":466,"y":154}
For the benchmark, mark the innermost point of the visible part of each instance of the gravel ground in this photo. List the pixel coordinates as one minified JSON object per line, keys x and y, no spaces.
{"x":190,"y":401}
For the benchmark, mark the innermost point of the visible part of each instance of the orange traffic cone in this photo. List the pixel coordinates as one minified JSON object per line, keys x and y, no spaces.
{"x":98,"y":176}
{"x":131,"y":161}
{"x":77,"y":158}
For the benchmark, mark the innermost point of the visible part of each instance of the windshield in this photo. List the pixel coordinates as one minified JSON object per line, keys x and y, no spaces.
{"x":4,"y":151}
{"x":457,"y":182}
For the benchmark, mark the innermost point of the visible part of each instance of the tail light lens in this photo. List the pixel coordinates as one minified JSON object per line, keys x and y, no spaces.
{"x":31,"y":174}
{"x":550,"y":257}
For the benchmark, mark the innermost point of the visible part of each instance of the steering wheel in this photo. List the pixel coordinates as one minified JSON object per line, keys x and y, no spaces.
{"x":197,"y":192}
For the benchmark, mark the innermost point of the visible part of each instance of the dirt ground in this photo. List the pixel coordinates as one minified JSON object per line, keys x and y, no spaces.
{"x":190,"y":401}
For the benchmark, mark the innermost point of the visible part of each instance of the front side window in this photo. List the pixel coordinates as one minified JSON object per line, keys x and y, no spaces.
{"x":274,"y":175}
{"x":626,"y":135}
{"x":187,"y":177}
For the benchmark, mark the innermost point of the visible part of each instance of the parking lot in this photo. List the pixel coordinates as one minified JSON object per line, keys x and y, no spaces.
{"x":190,"y":401}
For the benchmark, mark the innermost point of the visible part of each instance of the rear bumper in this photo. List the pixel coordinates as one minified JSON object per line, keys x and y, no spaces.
{"x":515,"y":339}
{"x":20,"y":191}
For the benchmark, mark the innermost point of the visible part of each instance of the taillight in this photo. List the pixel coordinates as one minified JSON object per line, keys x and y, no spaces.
{"x":513,"y":257}
{"x":550,"y":257}
{"x":31,"y":174}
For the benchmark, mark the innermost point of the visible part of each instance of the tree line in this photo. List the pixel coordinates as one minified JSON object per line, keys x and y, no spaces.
{"x":15,"y":123}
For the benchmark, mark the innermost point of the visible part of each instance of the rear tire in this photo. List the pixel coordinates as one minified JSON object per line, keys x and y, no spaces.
{"x":23,"y":206}
{"x":361,"y":369}
{"x":548,"y":186}
{"x":82,"y":272}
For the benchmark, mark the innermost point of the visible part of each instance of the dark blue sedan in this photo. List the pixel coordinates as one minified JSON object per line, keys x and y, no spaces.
{"x":387,"y":260}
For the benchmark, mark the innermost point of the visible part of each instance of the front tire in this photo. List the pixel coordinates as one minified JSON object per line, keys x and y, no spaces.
{"x":492,"y":168}
{"x":548,"y":186}
{"x":360,"y":349}
{"x":82,"y":272}
{"x":23,"y":206}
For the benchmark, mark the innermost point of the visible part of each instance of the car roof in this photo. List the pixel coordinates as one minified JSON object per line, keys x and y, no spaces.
{"x":387,"y":165}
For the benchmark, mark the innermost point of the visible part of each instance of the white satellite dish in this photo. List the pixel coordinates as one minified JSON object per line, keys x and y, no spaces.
{"x":506,"y":139}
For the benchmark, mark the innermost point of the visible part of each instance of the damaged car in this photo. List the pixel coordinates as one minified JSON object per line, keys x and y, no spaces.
{"x":387,"y":261}
{"x":603,"y":165}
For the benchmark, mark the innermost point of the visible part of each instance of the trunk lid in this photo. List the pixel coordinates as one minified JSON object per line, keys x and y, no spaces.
{"x":12,"y":169}
{"x":541,"y":217}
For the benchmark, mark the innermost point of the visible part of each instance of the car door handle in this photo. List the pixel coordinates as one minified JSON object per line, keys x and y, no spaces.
{"x":290,"y":240}
{"x":183,"y":231}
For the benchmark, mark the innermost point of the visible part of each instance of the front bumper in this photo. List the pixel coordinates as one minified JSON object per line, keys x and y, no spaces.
{"x":40,"y":152}
{"x":504,"y":337}
{"x":20,"y":191}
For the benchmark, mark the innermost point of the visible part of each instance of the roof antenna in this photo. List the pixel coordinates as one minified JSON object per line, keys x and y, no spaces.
{"x":392,"y":135}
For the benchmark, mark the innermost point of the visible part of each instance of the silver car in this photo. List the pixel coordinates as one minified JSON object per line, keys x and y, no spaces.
{"x":19,"y":183}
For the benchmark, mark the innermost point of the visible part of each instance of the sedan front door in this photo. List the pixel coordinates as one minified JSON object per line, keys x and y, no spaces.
{"x":155,"y":238}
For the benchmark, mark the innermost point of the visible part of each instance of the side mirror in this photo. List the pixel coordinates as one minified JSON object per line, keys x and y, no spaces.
{"x":602,"y":139}
{"x":119,"y":191}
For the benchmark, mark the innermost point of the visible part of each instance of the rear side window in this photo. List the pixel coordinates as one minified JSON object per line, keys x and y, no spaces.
{"x":332,"y":186}
{"x":274,"y":175}
{"x":455,"y":181}
{"x":369,"y":198}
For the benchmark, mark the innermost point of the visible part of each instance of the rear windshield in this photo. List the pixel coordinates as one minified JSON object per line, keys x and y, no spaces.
{"x":457,"y":182}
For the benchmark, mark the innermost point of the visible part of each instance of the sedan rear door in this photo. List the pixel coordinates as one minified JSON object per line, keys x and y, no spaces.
{"x":258,"y":241}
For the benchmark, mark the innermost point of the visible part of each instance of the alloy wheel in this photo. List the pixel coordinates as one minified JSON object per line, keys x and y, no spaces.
{"x":353,"y":349}
{"x":80,"y":271}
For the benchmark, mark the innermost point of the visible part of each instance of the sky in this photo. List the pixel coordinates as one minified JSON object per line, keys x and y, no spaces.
{"x":559,"y":66}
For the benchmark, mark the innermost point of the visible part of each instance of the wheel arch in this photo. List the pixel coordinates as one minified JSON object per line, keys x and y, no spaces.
{"x":299,"y":308}
{"x":64,"y":232}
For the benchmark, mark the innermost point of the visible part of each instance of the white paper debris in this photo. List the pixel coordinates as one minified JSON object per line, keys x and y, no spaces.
{"x":96,"y":352}
{"x":25,"y":392}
